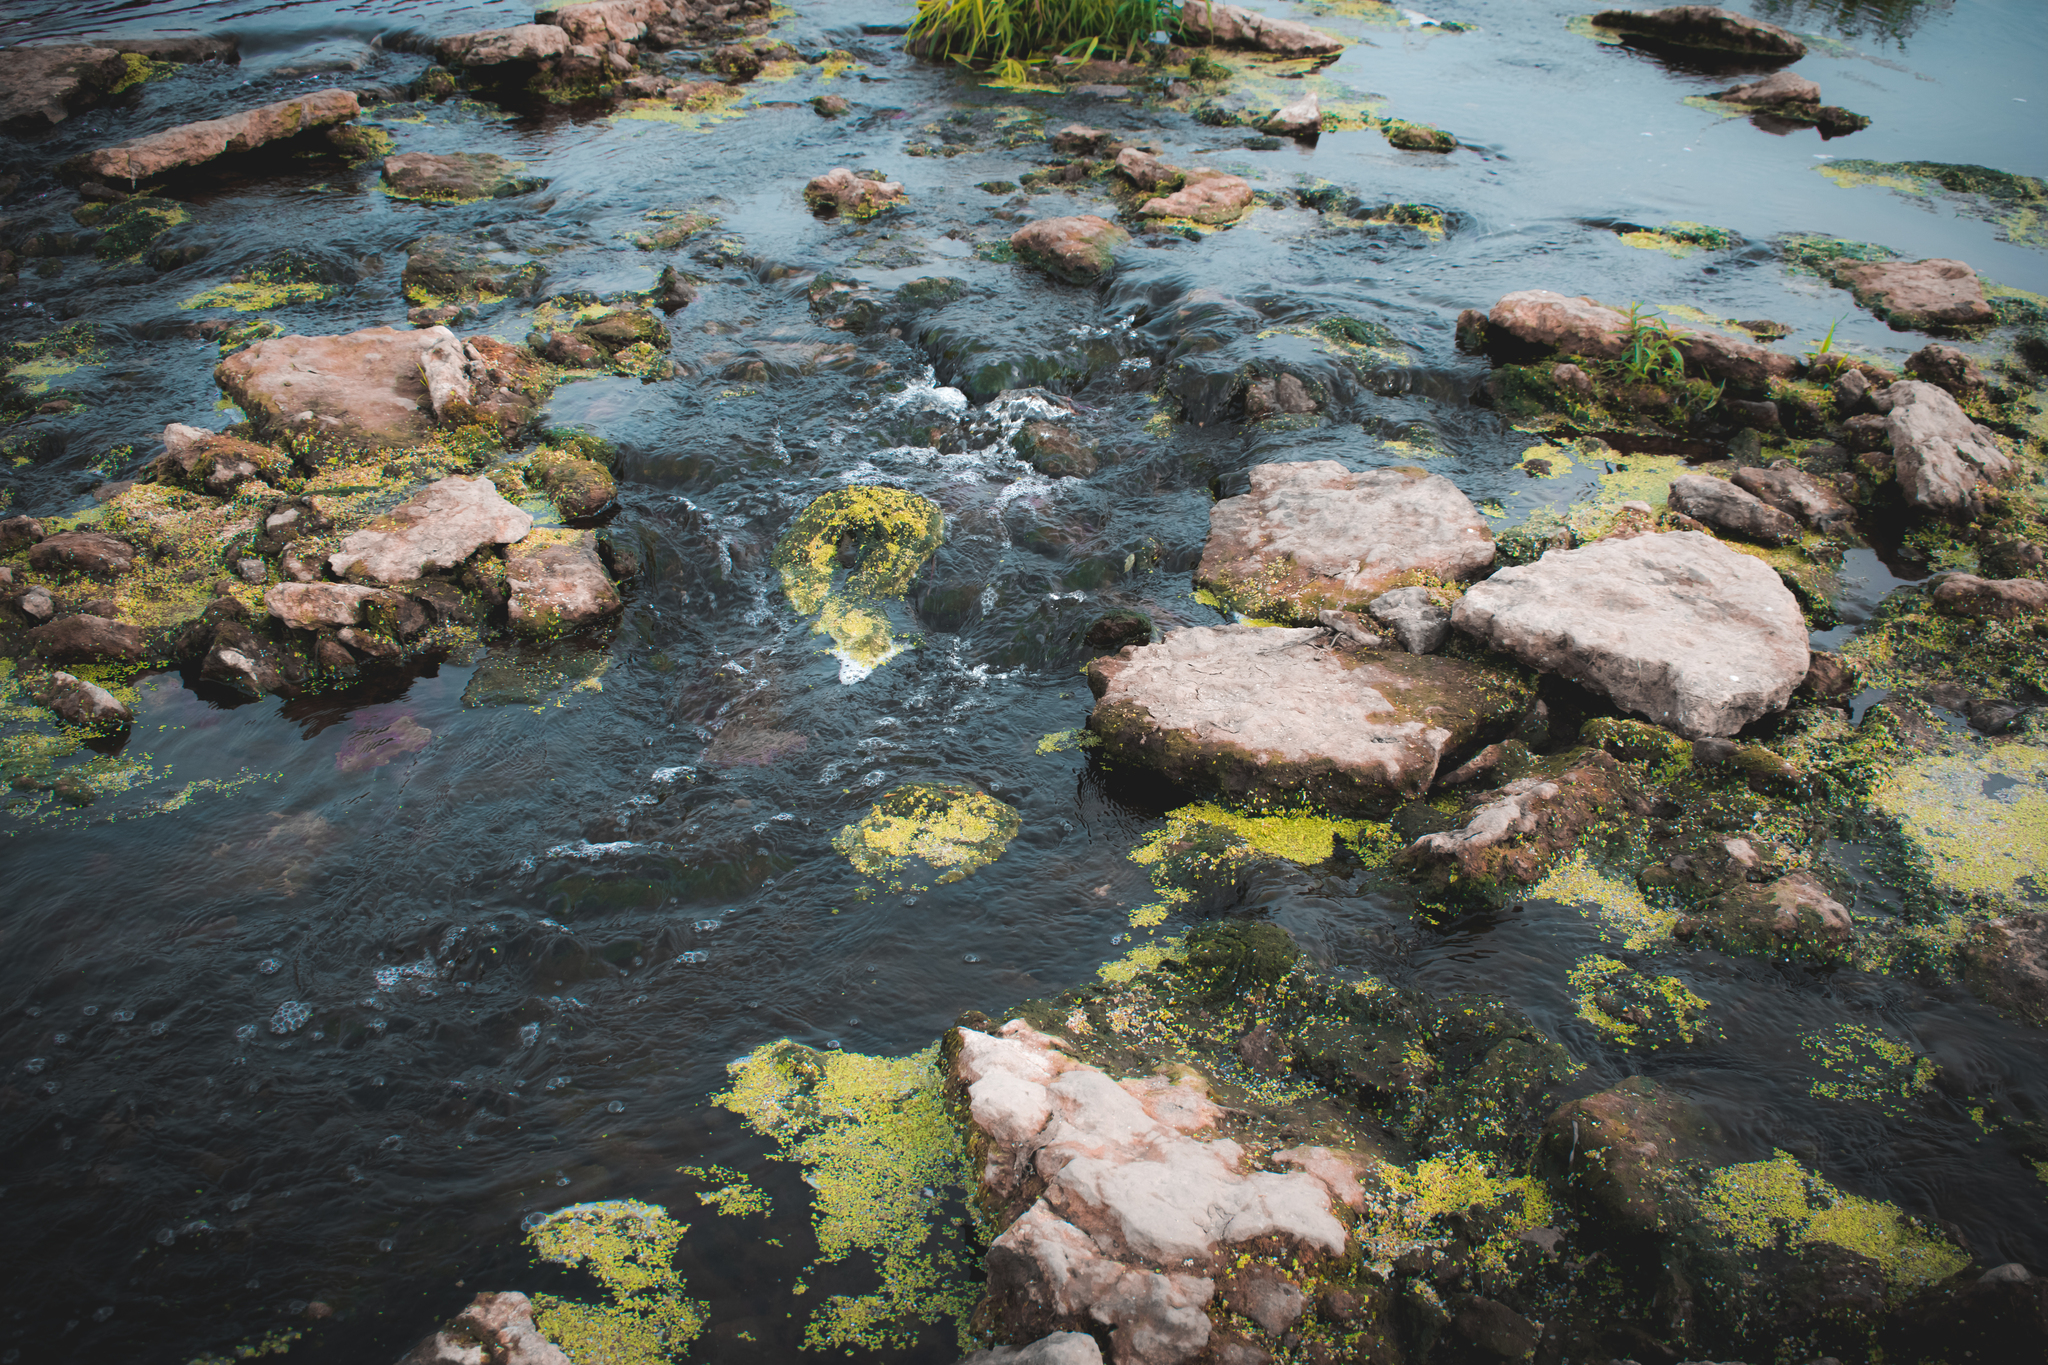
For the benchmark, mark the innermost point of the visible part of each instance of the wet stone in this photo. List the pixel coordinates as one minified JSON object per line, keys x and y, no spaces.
{"x":495,"y":1329}
{"x":194,"y":144}
{"x":434,"y":531}
{"x":1916,"y":295}
{"x":85,"y":703}
{"x":361,"y":389}
{"x":1727,"y":507}
{"x":1302,"y":118}
{"x":1058,"y":1348}
{"x":498,"y":46}
{"x":457,"y":178}
{"x":558,"y":586}
{"x":84,"y":552}
{"x":1549,"y":321}
{"x":17,"y":532}
{"x":1816,"y":502}
{"x":1414,"y":618}
{"x":1938,"y":454}
{"x":1207,"y":196}
{"x":1234,"y":26}
{"x":856,"y":196}
{"x":1780,"y":87}
{"x":42,"y":85}
{"x":1795,"y":913}
{"x":1705,"y":26}
{"x":1079,"y":249}
{"x":2005,"y":961}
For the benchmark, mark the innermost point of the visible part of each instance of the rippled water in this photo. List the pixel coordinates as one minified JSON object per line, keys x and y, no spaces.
{"x":328,"y":1029}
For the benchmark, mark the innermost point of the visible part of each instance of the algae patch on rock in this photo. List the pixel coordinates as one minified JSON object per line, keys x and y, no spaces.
{"x":1617,"y":904}
{"x":2016,"y":204}
{"x":885,"y":535}
{"x":630,"y":1247}
{"x":1633,"y":1008}
{"x":884,"y":1157}
{"x":1981,"y":820}
{"x":954,"y":830}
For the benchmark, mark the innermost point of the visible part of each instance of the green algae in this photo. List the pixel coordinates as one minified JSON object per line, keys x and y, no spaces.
{"x":732,"y":1194}
{"x":1863,"y":1065}
{"x":1062,"y":741}
{"x":878,"y":1144}
{"x":1424,"y":1201}
{"x":630,"y":1247}
{"x":1633,"y":1008}
{"x":2017,"y":205}
{"x":888,"y":534}
{"x":1617,"y":905}
{"x":1810,"y":253}
{"x":250,"y":296}
{"x":953,"y":830}
{"x":673,"y":227}
{"x":1979,"y":818}
{"x":127,"y":229}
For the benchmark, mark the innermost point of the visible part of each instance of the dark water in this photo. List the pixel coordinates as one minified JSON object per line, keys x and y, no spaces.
{"x":530,"y":949}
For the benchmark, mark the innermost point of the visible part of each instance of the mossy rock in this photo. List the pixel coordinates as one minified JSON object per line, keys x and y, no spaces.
{"x":127,"y":229}
{"x":1418,"y":137}
{"x":442,"y":269}
{"x":626,"y":327}
{"x":1229,"y":960}
{"x":578,"y":487}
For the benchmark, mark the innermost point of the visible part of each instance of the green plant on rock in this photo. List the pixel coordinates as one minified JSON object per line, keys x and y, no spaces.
{"x":1649,"y":352}
{"x":992,"y":30}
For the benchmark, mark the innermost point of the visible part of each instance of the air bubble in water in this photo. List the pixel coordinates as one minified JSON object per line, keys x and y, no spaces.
{"x":529,"y":1034}
{"x":393,"y":1141}
{"x":159,"y":1028}
{"x":245,"y":1033}
{"x":291,"y":1015}
{"x":385,"y":1245}
{"x":695,"y":955}
{"x":60,"y":1039}
{"x":165,"y":1237}
{"x":834,"y":1044}
{"x":123,"y":1016}
{"x":557,"y":1082}
{"x":970,"y":957}
{"x":49,"y":1087}
{"x":561,"y":1179}
{"x":103,"y":1313}
{"x":616,"y":1107}
{"x":35,"y":1064}
{"x":532,"y":1221}
{"x":238,"y":1203}
{"x":269,"y":966}
{"x":91,"y":1010}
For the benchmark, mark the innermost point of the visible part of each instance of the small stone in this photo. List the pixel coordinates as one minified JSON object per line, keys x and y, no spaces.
{"x":1939,"y":455}
{"x":1780,"y":87}
{"x":1794,"y":912}
{"x":252,"y":570}
{"x":841,"y":191}
{"x":368,"y":642}
{"x":1815,"y":502}
{"x":1266,"y":1296}
{"x":1061,"y":1348}
{"x":498,"y":1328}
{"x":1496,"y":1329}
{"x":1585,"y":327}
{"x":1208,"y":196}
{"x":830,"y":106}
{"x":436,"y":529}
{"x":16,"y":532}
{"x":1828,"y":678}
{"x":1233,"y":26}
{"x":498,"y":46}
{"x":1727,"y":507}
{"x":1055,"y":451}
{"x":194,"y":144}
{"x":37,"y":604}
{"x":1078,"y":249}
{"x":2006,"y":962}
{"x":1946,"y":367}
{"x":1145,"y":170}
{"x":558,"y":587}
{"x":1080,"y":139}
{"x":1303,"y":118}
{"x":457,"y":177}
{"x":1277,"y":395}
{"x":1414,"y":617}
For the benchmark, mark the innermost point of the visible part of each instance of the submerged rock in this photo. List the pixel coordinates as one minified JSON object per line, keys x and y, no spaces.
{"x":1938,"y":454}
{"x":1793,"y":913}
{"x":42,"y":85}
{"x":194,"y":144}
{"x":1516,"y":830}
{"x":1313,"y":535}
{"x":1705,"y":26}
{"x":1673,"y":627}
{"x":1916,"y":295}
{"x":1078,"y":249}
{"x":1232,"y":26}
{"x":1207,"y":197}
{"x":2006,"y":962}
{"x":1727,"y":507}
{"x":1623,"y":1151}
{"x":1780,"y":87}
{"x":444,"y":269}
{"x":436,"y":529}
{"x":456,"y":178}
{"x":495,"y":1329}
{"x":557,"y":583}
{"x":1263,"y":712}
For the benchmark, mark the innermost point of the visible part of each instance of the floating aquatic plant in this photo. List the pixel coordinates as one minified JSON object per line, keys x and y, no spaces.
{"x":1633,"y":1008}
{"x":952,"y":829}
{"x":630,"y":1247}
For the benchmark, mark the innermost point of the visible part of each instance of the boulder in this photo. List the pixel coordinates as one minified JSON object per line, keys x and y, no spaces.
{"x":87,"y":552}
{"x":42,"y":85}
{"x":1780,"y":87}
{"x":194,"y":144}
{"x":1277,"y":395}
{"x":1313,"y":535}
{"x":1261,"y":712}
{"x":308,"y":606}
{"x":577,"y":487}
{"x":497,"y":46}
{"x":1206,"y":197}
{"x":85,"y":703}
{"x":1916,"y":295}
{"x":495,"y":1329}
{"x":1515,"y":830}
{"x":1056,"y":452}
{"x":36,"y":603}
{"x":183,"y":48}
{"x":1202,"y":21}
{"x":457,"y":178}
{"x":1079,"y":249}
{"x":841,"y":191}
{"x":1938,"y":454}
{"x":1128,"y":1217}
{"x":215,"y":462}
{"x":1624,"y":1152}
{"x":2006,"y":962}
{"x":604,"y":21}
{"x":1582,"y":326}
{"x":443,"y":269}
{"x":1413,"y":617}
{"x":437,"y":529}
{"x":558,"y":585}
{"x":1995,"y":599}
{"x":1792,"y":490}
{"x":1792,"y":913}
{"x":1947,"y":368}
{"x":18,"y":532}
{"x":1303,"y":118}
{"x":1058,"y":1348}
{"x":365,"y":389}
{"x":1145,"y":170}
{"x":1727,"y":507}
{"x":87,"y":639}
{"x":1704,"y":26}
{"x":1673,"y":627}
{"x":1080,"y":139}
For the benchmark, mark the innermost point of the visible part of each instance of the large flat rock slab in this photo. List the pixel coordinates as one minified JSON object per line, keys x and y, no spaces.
{"x":1707,"y":27}
{"x":497,"y":46}
{"x":1233,"y":26}
{"x":1917,"y":295}
{"x":1676,"y":628}
{"x":437,"y":529}
{"x":194,"y":144}
{"x":1313,"y":536}
{"x":1271,"y":712}
{"x":366,"y":388}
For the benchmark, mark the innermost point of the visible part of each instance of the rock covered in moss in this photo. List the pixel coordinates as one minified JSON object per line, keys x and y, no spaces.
{"x":1916,"y":295}
{"x":215,"y":462}
{"x":1313,"y":535}
{"x":456,"y":177}
{"x":1780,"y":87}
{"x":41,"y":85}
{"x":1946,"y":367}
{"x":82,"y":552}
{"x":435,"y":530}
{"x":1549,"y":321}
{"x":442,"y":269}
{"x":1673,"y":627}
{"x":1273,"y":713}
{"x":856,"y":196}
{"x":1707,"y":27}
{"x":194,"y":144}
{"x":1725,"y":506}
{"x":1938,"y":454}
{"x":1146,"y":171}
{"x":86,"y":638}
{"x":82,"y":702}
{"x":1234,"y":26}
{"x":557,"y":583}
{"x":309,"y":606}
{"x":1794,"y":913}
{"x":18,"y":532}
{"x":1792,"y":490}
{"x":1056,"y":451}
{"x":1206,"y":196}
{"x":495,"y":1329}
{"x":578,"y":487}
{"x":1418,"y":137}
{"x":1623,"y":1152}
{"x":1992,"y":599}
{"x":1077,"y":249}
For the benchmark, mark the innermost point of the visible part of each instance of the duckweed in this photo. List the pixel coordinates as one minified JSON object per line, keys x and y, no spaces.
{"x":1635,"y":1009}
{"x":1680,"y":239}
{"x":953,"y":829}
{"x":1617,"y":904}
{"x":733,"y":1195}
{"x":1861,"y":1064}
{"x":630,"y":1247}
{"x":1761,"y":1205}
{"x":1981,"y":819}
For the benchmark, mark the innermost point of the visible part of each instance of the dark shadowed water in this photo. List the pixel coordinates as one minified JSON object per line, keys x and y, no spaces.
{"x":530,"y":948}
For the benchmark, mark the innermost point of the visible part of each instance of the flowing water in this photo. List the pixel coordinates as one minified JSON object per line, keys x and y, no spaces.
{"x":283,"y":1024}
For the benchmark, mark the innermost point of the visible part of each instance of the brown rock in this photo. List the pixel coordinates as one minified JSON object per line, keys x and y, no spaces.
{"x":363,"y":389}
{"x":1790,"y":489}
{"x":2006,"y":962}
{"x":1727,"y":507}
{"x":1623,"y":1151}
{"x":841,"y":191}
{"x":831,"y":106}
{"x":1498,"y":1331}
{"x":1938,"y":454}
{"x":1946,"y":367}
{"x":194,"y":144}
{"x":1147,"y":171}
{"x":1516,"y":831}
{"x":42,"y":85}
{"x":1266,"y":1296}
{"x":1275,"y":395}
{"x":17,"y":532}
{"x":1916,"y":295}
{"x":308,"y":606}
{"x":1828,"y":677}
{"x":456,"y":177}
{"x":559,"y":586}
{"x":1993,"y":599}
{"x":435,"y":530}
{"x":1056,"y":452}
{"x":1302,"y":118}
{"x":1230,"y":26}
{"x":1704,"y":26}
{"x":87,"y":639}
{"x":84,"y":703}
{"x":1078,"y":249}
{"x":1793,"y":913}
{"x":1582,"y":326}
{"x":578,"y":487}
{"x":87,"y":552}
{"x":1207,"y":197}
{"x":1079,"y":139}
{"x":495,"y":47}
{"x":1780,"y":87}
{"x":495,"y":1329}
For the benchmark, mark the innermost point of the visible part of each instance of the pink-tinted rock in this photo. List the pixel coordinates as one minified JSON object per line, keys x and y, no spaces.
{"x":87,"y":552}
{"x":366,"y":388}
{"x":307,"y":606}
{"x":1780,"y":87}
{"x":1793,"y":912}
{"x":1145,"y":170}
{"x":85,"y":703}
{"x":1207,"y":197}
{"x":1299,"y":119}
{"x":494,"y":47}
{"x":1078,"y":249}
{"x":1202,"y":21}
{"x":1917,"y":295}
{"x":1995,"y":599}
{"x":437,"y":529}
{"x":1704,"y":26}
{"x":1582,"y":326}
{"x":87,"y":639}
{"x":1938,"y":454}
{"x":194,"y":144}
{"x":1814,"y":501}
{"x":42,"y":85}
{"x":1727,"y":507}
{"x":495,"y":1329}
{"x":559,"y":586}
{"x":841,"y":191}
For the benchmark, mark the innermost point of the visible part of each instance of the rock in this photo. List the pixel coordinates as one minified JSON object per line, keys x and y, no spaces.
{"x":1947,"y":368}
{"x":1113,"y":1183}
{"x":183,"y":48}
{"x":1055,"y":451}
{"x":1780,"y":87}
{"x":1727,"y":507}
{"x":1313,"y":535}
{"x":1498,"y":1331}
{"x":1673,"y":627}
{"x":1517,"y":829}
{"x":441,"y":269}
{"x":1145,"y":170}
{"x":558,"y":585}
{"x":1277,"y":395}
{"x":497,"y":46}
{"x":1938,"y":454}
{"x":436,"y":529}
{"x":1230,"y":26}
{"x":84,"y":703}
{"x":1417,"y":137}
{"x":1704,"y":26}
{"x":736,"y":63}
{"x":831,"y":106}
{"x":194,"y":144}
{"x":1828,"y":678}
{"x":1793,"y":912}
{"x":1207,"y":197}
{"x":1581,"y":326}
{"x":1992,"y":599}
{"x":577,"y":487}
{"x":37,"y":604}
{"x":42,"y":85}
{"x":87,"y":552}
{"x":495,"y":1329}
{"x":1815,"y":502}
{"x":17,"y":532}
{"x":1622,"y":1151}
{"x":1265,"y":712}
{"x":841,"y":191}
{"x":1916,"y":295}
{"x":1414,"y":617}
{"x":308,"y":606}
{"x":87,"y":639}
{"x":1078,"y":249}
{"x":2006,"y":962}
{"x":1302,"y":118}
{"x":364,"y":389}
{"x":215,"y":462}
{"x":1266,"y":1296}
{"x":1080,"y":139}
{"x":458,"y":177}
{"x":1060,"y":1348}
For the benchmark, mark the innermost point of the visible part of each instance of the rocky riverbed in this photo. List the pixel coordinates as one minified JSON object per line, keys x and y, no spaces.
{"x":677,"y":686}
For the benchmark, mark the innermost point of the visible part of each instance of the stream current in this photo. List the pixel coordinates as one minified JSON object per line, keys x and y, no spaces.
{"x":526,"y":952}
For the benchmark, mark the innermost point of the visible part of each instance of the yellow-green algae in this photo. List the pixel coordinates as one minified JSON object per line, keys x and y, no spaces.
{"x":630,"y":1247}
{"x":273,"y":1343}
{"x":1618,"y":904}
{"x":732,"y":1194}
{"x":1634,"y":1008}
{"x":1760,"y":1205}
{"x":890,"y":533}
{"x":953,"y":829}
{"x":878,"y":1144}
{"x":1681,"y":239}
{"x":1403,"y":1202}
{"x":1981,"y":818}
{"x":1859,"y":1063}
{"x":252,"y":296}
{"x":1203,"y":841}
